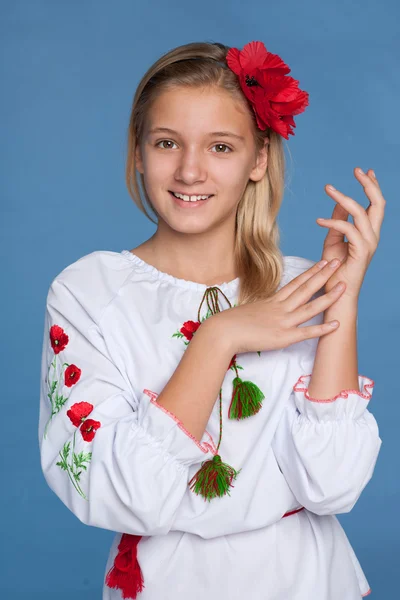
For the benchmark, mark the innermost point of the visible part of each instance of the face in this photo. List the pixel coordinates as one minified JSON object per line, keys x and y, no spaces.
{"x":191,"y":159}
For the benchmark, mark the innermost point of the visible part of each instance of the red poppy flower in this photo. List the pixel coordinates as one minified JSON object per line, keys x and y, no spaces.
{"x":275,"y":98}
{"x":72,"y":375}
{"x":189,"y":328}
{"x":58,"y":338}
{"x":88,"y":429}
{"x":232,"y":361}
{"x":78,"y":412}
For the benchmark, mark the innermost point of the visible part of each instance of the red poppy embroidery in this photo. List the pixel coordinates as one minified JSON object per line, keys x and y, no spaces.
{"x":78,"y":462}
{"x":189,"y":328}
{"x":59,"y":341}
{"x":88,"y":429}
{"x":73,"y":463}
{"x":78,"y":412}
{"x":58,"y":338}
{"x":71,"y":375}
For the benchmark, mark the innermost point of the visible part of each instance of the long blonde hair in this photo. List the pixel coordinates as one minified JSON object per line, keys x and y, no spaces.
{"x":258,"y":259}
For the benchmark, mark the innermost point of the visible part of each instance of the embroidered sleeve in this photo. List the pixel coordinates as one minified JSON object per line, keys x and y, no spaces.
{"x":116,"y":461}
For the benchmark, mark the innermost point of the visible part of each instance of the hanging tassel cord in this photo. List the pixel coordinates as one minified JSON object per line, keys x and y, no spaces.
{"x":126,"y":574}
{"x":215,"y":477}
{"x":247,"y":397}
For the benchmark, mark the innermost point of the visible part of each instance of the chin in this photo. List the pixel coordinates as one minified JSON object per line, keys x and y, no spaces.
{"x":189,"y":226}
{"x":190,"y":229}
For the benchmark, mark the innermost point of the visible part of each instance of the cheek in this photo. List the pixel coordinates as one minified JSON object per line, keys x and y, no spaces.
{"x":232,"y":181}
{"x":158,"y":171}
{"x":156,"y":178}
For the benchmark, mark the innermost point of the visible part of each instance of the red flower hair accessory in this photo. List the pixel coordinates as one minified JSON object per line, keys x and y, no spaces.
{"x":274,"y":97}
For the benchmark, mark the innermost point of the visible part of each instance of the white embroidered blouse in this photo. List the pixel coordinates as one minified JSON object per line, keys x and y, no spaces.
{"x":113,"y":335}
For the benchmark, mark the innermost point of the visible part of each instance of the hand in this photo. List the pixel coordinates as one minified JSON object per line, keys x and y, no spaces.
{"x":272,"y":323}
{"x":363,"y":236}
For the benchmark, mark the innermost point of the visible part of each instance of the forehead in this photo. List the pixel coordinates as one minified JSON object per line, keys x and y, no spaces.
{"x":198,"y":111}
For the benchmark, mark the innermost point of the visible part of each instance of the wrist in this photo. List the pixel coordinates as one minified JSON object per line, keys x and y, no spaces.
{"x":218,"y":333}
{"x":343,"y":309}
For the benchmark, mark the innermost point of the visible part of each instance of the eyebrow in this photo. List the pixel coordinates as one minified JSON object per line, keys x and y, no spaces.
{"x":211,"y":134}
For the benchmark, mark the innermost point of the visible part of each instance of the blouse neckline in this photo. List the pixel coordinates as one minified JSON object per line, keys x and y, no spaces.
{"x":230,"y":287}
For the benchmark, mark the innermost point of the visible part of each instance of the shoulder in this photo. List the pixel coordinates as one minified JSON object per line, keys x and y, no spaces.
{"x":93,"y":281}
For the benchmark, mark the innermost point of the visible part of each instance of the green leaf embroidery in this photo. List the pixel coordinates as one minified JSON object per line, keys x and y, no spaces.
{"x":64,"y":456}
{"x":57,"y":401}
{"x":78,"y":462}
{"x":178,"y":334}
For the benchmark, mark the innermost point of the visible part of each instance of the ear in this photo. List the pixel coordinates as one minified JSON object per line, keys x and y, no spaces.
{"x":259,"y":170}
{"x":138,"y":159}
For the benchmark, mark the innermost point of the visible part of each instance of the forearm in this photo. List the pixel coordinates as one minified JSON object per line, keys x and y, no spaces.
{"x":193,"y":389}
{"x":336,"y":364}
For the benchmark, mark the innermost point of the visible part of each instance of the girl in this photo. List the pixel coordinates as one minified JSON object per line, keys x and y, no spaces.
{"x":200,"y":393}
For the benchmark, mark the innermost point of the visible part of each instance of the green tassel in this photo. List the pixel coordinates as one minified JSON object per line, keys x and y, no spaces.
{"x":213,"y":479}
{"x":246,"y":399}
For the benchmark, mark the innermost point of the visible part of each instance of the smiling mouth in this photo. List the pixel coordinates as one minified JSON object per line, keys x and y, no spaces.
{"x":188,"y":200}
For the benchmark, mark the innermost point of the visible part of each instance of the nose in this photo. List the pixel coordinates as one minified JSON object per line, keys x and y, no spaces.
{"x":191,"y":167}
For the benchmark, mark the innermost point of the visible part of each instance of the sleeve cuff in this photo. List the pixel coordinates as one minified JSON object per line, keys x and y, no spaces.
{"x":348,"y":404}
{"x":165,"y":427}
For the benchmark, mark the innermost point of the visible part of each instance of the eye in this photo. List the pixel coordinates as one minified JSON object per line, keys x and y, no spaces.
{"x":162,"y":141}
{"x":215,"y":146}
{"x":224,"y":146}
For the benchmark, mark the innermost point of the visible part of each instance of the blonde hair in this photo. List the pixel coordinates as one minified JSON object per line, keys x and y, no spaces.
{"x":258,"y":259}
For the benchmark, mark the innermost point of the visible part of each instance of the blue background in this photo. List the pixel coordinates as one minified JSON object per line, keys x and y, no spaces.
{"x":69,"y":71}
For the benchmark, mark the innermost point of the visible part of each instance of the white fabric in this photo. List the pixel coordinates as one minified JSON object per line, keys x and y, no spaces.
{"x":120,"y":314}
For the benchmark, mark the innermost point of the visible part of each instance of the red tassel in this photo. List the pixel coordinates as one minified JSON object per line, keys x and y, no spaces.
{"x":126,"y":573}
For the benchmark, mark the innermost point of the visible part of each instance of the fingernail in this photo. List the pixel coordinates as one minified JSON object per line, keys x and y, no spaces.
{"x":339,"y":286}
{"x":373,"y":174}
{"x":334,"y":323}
{"x":334,"y":263}
{"x":322,"y":263}
{"x":360,"y":171}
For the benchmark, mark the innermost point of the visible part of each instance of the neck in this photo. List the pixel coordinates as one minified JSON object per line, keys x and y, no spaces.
{"x":194,"y":258}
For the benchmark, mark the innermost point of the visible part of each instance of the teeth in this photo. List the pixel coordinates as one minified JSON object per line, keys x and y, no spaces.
{"x":190,"y":198}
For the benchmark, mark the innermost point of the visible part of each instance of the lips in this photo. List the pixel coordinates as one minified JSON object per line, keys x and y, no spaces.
{"x":176,"y":198}
{"x":187,"y":205}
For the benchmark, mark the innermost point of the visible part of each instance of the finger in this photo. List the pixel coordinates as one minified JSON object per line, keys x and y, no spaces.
{"x":359,"y":245}
{"x":312,"y":331}
{"x":334,"y":236}
{"x":296,"y":282}
{"x":360,"y":217}
{"x":309,"y":287}
{"x":369,"y":174}
{"x":307,"y":311}
{"x":372,"y":175}
{"x":376,"y":209}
